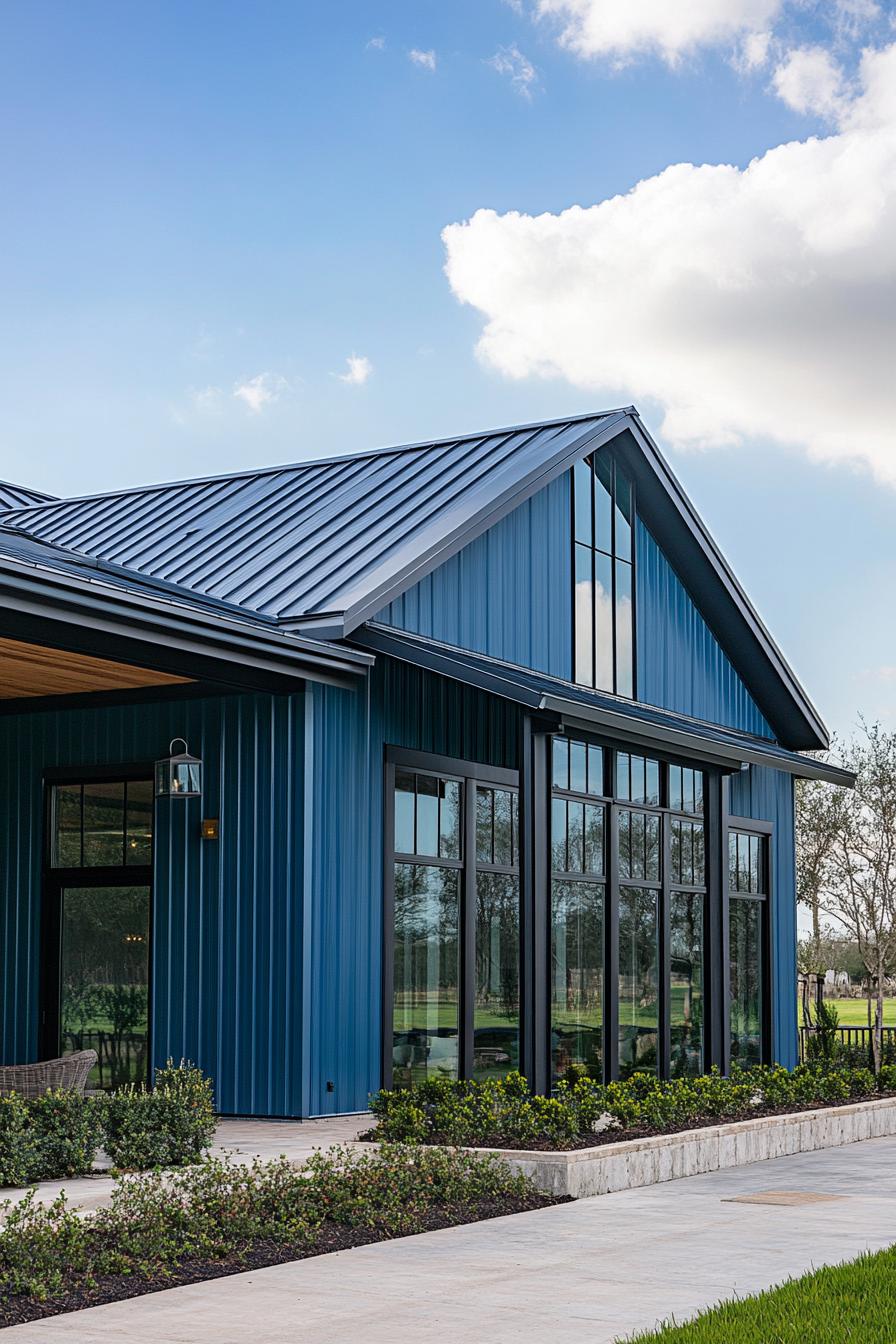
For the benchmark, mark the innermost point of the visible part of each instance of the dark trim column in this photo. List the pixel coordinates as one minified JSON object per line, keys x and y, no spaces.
{"x":719,"y":960}
{"x":535,"y":783}
{"x":611,"y":950}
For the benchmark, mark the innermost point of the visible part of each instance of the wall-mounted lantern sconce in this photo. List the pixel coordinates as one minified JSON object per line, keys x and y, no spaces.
{"x":179,"y":775}
{"x":209,"y":828}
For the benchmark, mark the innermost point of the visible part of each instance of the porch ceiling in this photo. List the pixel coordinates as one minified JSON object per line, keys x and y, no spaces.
{"x":33,"y":670}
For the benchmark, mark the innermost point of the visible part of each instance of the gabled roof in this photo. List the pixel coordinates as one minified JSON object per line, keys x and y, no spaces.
{"x":322,"y":546}
{"x":320,"y":537}
{"x":15,"y":496}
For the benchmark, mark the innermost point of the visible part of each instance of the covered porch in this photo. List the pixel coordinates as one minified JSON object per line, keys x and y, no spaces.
{"x":135,"y":926}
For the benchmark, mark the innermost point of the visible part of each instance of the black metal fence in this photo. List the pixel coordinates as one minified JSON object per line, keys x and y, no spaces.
{"x":855,"y":1042}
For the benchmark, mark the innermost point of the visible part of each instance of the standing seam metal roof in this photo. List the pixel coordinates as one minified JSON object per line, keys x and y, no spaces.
{"x":304,"y":539}
{"x":20,"y":496}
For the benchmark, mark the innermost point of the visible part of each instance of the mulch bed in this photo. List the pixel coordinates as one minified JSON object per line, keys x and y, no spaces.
{"x":331,"y":1237}
{"x":624,"y":1135}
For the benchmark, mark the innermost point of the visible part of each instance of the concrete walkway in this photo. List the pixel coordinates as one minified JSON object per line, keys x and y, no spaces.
{"x":583,"y":1273}
{"x":244,"y":1140}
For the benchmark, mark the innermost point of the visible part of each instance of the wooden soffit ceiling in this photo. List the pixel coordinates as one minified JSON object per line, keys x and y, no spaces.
{"x":30,"y":669}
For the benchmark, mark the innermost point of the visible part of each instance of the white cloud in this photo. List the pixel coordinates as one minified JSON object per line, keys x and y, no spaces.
{"x":809,"y":80}
{"x":358,"y":370}
{"x":510,"y":61}
{"x":753,"y":53}
{"x":376,"y":44}
{"x":744,"y":302}
{"x":260,"y":391}
{"x":426,"y":59}
{"x":623,"y":29}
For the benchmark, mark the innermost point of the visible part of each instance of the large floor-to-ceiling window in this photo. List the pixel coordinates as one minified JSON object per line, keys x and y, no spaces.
{"x":747,"y":917}
{"x":455,"y":942}
{"x":628,"y":854}
{"x":578,"y":885}
{"x":632,"y":924}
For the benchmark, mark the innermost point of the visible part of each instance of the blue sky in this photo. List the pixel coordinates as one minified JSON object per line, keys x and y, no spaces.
{"x":209,"y":207}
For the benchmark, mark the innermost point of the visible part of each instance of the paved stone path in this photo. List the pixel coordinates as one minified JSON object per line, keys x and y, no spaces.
{"x":583,"y":1273}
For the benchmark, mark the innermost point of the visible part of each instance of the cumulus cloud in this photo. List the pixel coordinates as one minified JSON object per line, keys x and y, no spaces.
{"x":522,"y":74}
{"x":666,"y":28}
{"x":425,"y":59}
{"x":358,"y":370}
{"x":376,"y":44}
{"x":744,"y":302}
{"x":809,"y":80}
{"x":260,"y":391}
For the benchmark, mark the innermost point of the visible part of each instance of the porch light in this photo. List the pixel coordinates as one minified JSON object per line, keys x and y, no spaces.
{"x":179,"y":775}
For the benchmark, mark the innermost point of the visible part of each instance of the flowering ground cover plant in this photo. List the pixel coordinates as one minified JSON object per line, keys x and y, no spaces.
{"x":220,"y":1217}
{"x":504,"y":1113}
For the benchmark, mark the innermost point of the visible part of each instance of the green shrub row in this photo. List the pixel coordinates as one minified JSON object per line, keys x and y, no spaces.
{"x":58,"y":1134}
{"x":218,"y":1210}
{"x":504,"y":1111}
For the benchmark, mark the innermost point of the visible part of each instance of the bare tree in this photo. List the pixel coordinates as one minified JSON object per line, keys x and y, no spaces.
{"x":846,"y":858}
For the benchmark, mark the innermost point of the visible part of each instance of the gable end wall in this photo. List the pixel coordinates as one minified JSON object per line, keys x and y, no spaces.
{"x":508,"y":595}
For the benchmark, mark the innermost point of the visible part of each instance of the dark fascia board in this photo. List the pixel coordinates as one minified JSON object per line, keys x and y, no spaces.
{"x":57,"y":609}
{"x":714,"y":588}
{"x":436,"y":547}
{"x":621,"y":724}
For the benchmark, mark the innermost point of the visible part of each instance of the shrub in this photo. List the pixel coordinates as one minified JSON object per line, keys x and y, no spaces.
{"x":167,"y":1127}
{"x":15,"y":1155}
{"x":65,"y":1129}
{"x":495,"y":1112}
{"x":219,"y":1209}
{"x":47,"y":1137}
{"x":823,"y":1045}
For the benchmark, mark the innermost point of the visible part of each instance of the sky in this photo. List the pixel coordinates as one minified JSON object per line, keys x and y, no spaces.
{"x":240,"y":234}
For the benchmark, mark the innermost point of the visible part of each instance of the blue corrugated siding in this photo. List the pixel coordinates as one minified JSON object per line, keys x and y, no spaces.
{"x":348,"y":731}
{"x":768,"y":795}
{"x":681,"y":665}
{"x":507,"y":594}
{"x":227,"y":935}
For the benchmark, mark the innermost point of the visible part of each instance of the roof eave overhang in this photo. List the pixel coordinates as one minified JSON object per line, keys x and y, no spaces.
{"x":620,"y":724}
{"x":57,"y":609}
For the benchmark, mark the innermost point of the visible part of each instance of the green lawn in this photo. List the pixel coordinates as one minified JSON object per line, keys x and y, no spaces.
{"x":854,"y":1012}
{"x":855,"y":1301}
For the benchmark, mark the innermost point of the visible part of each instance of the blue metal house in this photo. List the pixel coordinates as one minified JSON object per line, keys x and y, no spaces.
{"x":497,"y":772}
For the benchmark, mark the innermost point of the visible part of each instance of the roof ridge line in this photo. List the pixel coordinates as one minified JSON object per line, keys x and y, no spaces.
{"x":249,"y":473}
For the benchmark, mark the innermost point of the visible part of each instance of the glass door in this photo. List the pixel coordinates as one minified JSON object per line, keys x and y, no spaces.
{"x":104,"y":980}
{"x":97,"y":925}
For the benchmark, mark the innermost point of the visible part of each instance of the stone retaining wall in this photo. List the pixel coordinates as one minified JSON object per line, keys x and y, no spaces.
{"x":666,"y":1157}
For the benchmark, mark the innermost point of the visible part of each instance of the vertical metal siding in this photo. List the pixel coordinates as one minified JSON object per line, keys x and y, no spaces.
{"x":508,"y":594}
{"x":227,"y":930}
{"x":401,"y":706}
{"x":768,"y":795}
{"x":681,"y":665}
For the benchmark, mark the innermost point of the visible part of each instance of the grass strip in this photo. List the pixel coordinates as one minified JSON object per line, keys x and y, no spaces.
{"x":838,"y":1304}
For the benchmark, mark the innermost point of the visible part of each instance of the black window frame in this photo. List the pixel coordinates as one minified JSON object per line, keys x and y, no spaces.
{"x":712,"y":890}
{"x":764,"y":831}
{"x":55,"y":880}
{"x":608,"y":457}
{"x":469,"y":774}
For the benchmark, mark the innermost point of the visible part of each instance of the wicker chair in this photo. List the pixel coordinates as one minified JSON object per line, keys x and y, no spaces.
{"x":33,"y":1080}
